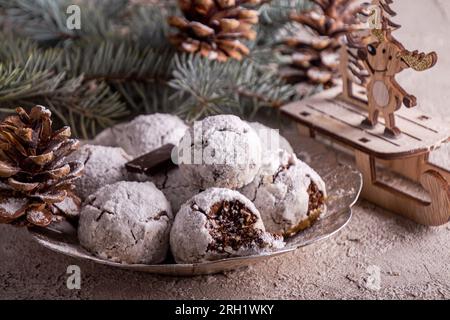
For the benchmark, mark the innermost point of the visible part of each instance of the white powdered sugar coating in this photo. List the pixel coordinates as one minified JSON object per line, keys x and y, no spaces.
{"x":441,"y":157}
{"x":11,"y":205}
{"x":190,"y":236}
{"x":173,"y":184}
{"x":271,"y":139}
{"x":102,"y":166}
{"x":107,"y":137}
{"x":127,"y":222}
{"x":230,"y":152}
{"x":280,"y":191}
{"x":69,"y":206}
{"x":175,"y":187}
{"x":144,"y":134}
{"x":36,"y":215}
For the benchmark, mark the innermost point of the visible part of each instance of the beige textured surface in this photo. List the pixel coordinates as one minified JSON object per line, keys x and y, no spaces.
{"x":414,"y":261}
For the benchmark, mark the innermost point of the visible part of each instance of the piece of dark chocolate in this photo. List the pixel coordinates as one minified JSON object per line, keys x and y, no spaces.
{"x":158,"y":160}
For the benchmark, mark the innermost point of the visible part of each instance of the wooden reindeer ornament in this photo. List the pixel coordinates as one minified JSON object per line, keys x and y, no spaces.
{"x":384,"y":60}
{"x":370,"y":60}
{"x":375,"y":18}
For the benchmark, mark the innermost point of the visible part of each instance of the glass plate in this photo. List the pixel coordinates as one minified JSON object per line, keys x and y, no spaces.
{"x":343,"y":186}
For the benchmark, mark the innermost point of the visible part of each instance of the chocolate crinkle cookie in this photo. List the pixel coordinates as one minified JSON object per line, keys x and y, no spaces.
{"x":127,"y":222}
{"x":288,"y":193}
{"x":220,"y":151}
{"x":144,"y":134}
{"x":175,"y":187}
{"x":219,"y":223}
{"x":102,"y":166}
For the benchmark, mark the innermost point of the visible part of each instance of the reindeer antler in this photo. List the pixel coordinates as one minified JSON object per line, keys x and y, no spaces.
{"x":419,"y":61}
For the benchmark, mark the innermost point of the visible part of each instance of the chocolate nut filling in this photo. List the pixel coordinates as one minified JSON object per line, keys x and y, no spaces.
{"x":316,"y":198}
{"x":231,"y":224}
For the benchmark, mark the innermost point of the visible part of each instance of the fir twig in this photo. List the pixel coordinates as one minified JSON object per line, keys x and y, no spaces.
{"x":225,"y":88}
{"x":40,"y":79}
{"x":121,"y":63}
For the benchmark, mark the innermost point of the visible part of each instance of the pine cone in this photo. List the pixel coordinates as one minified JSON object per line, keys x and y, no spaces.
{"x":214,"y":28}
{"x":316,"y":61}
{"x":35,"y":181}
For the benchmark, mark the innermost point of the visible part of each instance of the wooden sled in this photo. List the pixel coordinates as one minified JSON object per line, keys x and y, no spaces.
{"x":338,"y":117}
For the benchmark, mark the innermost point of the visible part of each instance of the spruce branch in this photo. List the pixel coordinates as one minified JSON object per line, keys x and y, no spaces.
{"x":274,"y":20}
{"x":40,"y":79}
{"x":45,"y":20}
{"x":29,"y":81}
{"x":261,"y":87}
{"x":119,"y":62}
{"x":200,"y":86}
{"x":275,"y":14}
{"x":230,"y":87}
{"x":147,"y":23}
{"x":92,"y":108}
{"x":144,"y":97}
{"x":16,"y":50}
{"x":139,"y":76}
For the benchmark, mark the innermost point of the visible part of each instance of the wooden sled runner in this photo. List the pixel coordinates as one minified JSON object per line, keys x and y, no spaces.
{"x":338,"y":118}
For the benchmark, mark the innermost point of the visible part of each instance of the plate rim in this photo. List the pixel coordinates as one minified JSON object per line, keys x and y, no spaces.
{"x":195,"y":268}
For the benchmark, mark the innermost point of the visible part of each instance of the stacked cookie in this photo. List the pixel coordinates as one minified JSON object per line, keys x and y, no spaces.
{"x":237,"y":190}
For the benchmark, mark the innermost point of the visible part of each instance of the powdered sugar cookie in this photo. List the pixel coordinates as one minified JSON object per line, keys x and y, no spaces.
{"x":175,"y":187}
{"x":288,"y":193}
{"x":219,"y":223}
{"x":220,"y":151}
{"x":144,"y":134}
{"x":102,"y":166}
{"x":127,"y":222}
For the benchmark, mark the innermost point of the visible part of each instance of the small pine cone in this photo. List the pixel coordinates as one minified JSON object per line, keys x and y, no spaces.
{"x":35,"y":180}
{"x":215,"y":28}
{"x":316,"y":61}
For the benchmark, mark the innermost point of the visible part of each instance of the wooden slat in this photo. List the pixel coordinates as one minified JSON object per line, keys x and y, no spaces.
{"x":341,"y":121}
{"x":407,"y":118}
{"x":434,"y":213}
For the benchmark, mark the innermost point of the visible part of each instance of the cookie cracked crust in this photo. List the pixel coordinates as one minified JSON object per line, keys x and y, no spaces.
{"x":230,"y":153}
{"x":288,"y":193}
